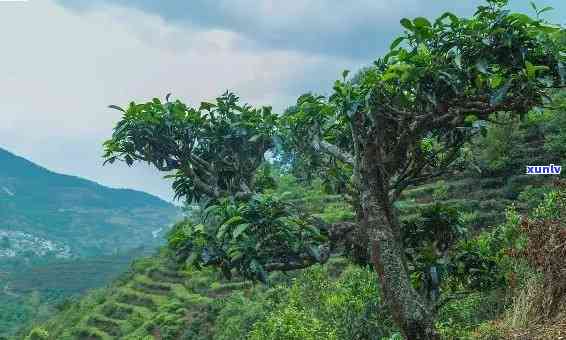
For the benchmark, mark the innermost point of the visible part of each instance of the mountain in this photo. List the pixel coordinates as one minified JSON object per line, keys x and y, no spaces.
{"x":46,"y":213}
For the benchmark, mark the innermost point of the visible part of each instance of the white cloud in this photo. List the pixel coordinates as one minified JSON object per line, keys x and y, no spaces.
{"x":60,"y":69}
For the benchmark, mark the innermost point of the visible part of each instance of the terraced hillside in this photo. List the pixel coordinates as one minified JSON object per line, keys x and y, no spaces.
{"x":155,"y":300}
{"x":482,"y":195}
{"x":61,"y":235}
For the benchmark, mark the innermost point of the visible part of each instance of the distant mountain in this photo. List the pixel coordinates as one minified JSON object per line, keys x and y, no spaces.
{"x":45,"y":213}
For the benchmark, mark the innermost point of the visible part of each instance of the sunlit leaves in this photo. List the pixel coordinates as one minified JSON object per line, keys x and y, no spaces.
{"x":247,"y":236}
{"x":227,"y":139}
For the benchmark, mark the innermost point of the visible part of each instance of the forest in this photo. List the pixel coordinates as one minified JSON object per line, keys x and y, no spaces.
{"x":397,"y":207}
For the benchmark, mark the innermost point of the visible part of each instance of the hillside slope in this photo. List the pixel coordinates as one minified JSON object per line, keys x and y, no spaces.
{"x":42,"y":212}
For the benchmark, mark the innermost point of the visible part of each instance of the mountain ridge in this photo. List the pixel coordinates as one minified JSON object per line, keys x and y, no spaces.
{"x":22,"y":167}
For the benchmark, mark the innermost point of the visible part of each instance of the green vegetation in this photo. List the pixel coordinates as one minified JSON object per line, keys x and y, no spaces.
{"x":413,"y":217}
{"x":62,"y":235}
{"x":34,"y":290}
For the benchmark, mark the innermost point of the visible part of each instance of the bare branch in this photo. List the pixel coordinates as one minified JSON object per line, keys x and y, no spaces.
{"x":300,"y":262}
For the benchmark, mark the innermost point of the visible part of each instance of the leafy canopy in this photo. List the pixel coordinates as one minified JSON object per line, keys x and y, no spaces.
{"x":254,"y":237}
{"x":424,"y":98}
{"x":213,"y":150}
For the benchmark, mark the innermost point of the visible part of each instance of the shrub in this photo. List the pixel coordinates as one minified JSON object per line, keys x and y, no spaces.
{"x":292,"y":323}
{"x":458,"y":318}
{"x":545,"y":250}
{"x":38,"y":334}
{"x":427,"y":239}
{"x":346,"y":308}
{"x":555,"y":141}
{"x":496,"y":151}
{"x":533,"y":195}
{"x":238,"y":316}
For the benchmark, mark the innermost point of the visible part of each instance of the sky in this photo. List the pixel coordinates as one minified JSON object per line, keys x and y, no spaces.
{"x":62,"y":62}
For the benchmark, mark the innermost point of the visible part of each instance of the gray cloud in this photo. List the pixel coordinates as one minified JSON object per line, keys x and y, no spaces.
{"x":358,"y":29}
{"x":60,"y":69}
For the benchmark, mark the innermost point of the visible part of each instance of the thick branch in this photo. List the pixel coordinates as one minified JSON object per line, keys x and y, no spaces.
{"x":210,"y":190}
{"x":301,"y":262}
{"x":333,"y":151}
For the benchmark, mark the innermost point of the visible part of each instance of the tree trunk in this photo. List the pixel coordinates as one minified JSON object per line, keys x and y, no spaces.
{"x":410,"y":311}
{"x":360,"y":247}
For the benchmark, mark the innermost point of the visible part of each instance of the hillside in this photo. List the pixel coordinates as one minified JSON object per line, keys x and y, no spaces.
{"x":61,"y":235}
{"x":44,"y":212}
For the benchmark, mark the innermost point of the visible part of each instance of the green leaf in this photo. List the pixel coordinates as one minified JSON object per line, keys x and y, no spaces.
{"x":193,"y":258}
{"x":421,"y":22}
{"x":236,"y":256}
{"x":546,"y":9}
{"x":470,"y":119}
{"x":345,"y":74}
{"x":207,"y":106}
{"x":530,"y":70}
{"x":115,"y":107}
{"x":240,"y":229}
{"x":453,"y":18}
{"x":389,"y":76}
{"x":407,"y":24}
{"x":396,"y":43}
{"x":500,"y":94}
{"x":222,"y":231}
{"x":481,"y":65}
{"x":495,"y":81}
{"x":199,"y":227}
{"x":458,"y":60}
{"x":423,"y":50}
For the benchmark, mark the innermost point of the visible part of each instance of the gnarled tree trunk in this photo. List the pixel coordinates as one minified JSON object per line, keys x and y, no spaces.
{"x":410,"y":310}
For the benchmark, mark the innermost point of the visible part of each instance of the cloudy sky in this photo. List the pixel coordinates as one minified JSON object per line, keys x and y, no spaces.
{"x":62,"y":62}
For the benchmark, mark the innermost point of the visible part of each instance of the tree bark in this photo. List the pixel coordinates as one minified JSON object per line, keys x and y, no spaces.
{"x":409,"y":309}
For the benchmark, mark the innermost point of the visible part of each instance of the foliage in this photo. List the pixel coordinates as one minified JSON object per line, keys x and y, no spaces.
{"x":496,"y":151}
{"x":556,"y":137}
{"x":458,"y":318}
{"x":482,"y":262}
{"x":239,"y":314}
{"x":341,"y":309}
{"x":38,"y":334}
{"x":427,"y":239}
{"x":410,"y":115}
{"x":292,"y":323}
{"x":214,"y":150}
{"x":45,"y":286}
{"x":545,"y":250}
{"x":255,"y":237}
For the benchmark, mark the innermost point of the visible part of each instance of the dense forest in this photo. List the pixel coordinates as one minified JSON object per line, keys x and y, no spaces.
{"x":397,"y":207}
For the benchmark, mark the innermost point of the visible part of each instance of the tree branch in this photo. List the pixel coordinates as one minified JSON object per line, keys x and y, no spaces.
{"x":333,"y":151}
{"x":208,"y":189}
{"x":302,"y":261}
